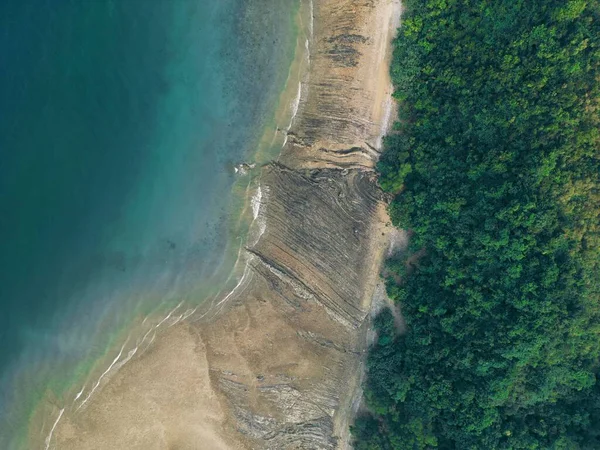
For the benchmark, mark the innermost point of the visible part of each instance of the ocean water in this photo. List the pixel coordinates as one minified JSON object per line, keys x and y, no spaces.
{"x":120,"y":122}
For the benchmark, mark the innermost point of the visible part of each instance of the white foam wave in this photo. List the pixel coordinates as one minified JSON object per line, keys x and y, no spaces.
{"x":295,"y":105}
{"x":242,"y":279}
{"x":311,"y":24}
{"x":49,"y":437}
{"x":189,"y":312}
{"x":256,"y":198}
{"x":210,"y":309}
{"x":307,"y":51}
{"x":168,"y":316}
{"x":101,"y":377}
{"x":259,"y":220}
{"x":176,"y":321}
{"x":79,"y":394}
{"x":151,"y":340}
{"x":130,"y":355}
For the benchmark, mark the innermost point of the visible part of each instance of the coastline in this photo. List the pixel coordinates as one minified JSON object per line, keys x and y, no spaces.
{"x":142,"y":331}
{"x":270,"y":363}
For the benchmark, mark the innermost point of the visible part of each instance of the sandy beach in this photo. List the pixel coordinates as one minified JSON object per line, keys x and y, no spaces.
{"x":277,"y":365}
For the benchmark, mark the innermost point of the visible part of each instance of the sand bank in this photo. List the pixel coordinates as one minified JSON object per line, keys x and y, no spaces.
{"x":277,"y":365}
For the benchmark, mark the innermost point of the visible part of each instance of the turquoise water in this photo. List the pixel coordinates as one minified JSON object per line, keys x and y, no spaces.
{"x":119,"y":124}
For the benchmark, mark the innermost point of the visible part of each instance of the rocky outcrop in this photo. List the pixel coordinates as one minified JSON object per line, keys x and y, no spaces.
{"x":344,"y":111}
{"x":297,"y":330}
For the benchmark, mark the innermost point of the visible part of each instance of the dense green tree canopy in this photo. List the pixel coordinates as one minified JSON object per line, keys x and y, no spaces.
{"x":495,"y":167}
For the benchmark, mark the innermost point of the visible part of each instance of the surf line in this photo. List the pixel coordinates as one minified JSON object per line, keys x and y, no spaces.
{"x":296,"y":102}
{"x":79,"y":393}
{"x":242,"y":279}
{"x":168,"y":315}
{"x":102,"y":376}
{"x":130,"y":354}
{"x":49,"y":437}
{"x":295,"y":106}
{"x":258,"y":203}
{"x":236,"y":287}
{"x":311,"y":27}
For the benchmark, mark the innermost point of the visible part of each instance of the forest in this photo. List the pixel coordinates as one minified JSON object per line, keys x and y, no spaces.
{"x":494,"y":168}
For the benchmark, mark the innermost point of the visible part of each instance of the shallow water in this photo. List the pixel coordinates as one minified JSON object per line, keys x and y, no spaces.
{"x":120,"y":122}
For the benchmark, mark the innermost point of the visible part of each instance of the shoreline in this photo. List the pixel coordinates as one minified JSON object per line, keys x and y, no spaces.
{"x":288,"y":317}
{"x":108,"y":366}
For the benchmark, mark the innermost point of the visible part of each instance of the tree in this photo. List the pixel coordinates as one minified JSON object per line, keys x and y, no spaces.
{"x":495,"y":167}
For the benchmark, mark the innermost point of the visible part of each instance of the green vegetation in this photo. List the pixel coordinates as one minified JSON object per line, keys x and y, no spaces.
{"x":495,"y":167}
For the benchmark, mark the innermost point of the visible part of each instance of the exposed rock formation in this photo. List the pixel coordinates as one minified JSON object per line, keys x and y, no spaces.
{"x":348,"y":94}
{"x":297,"y":330}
